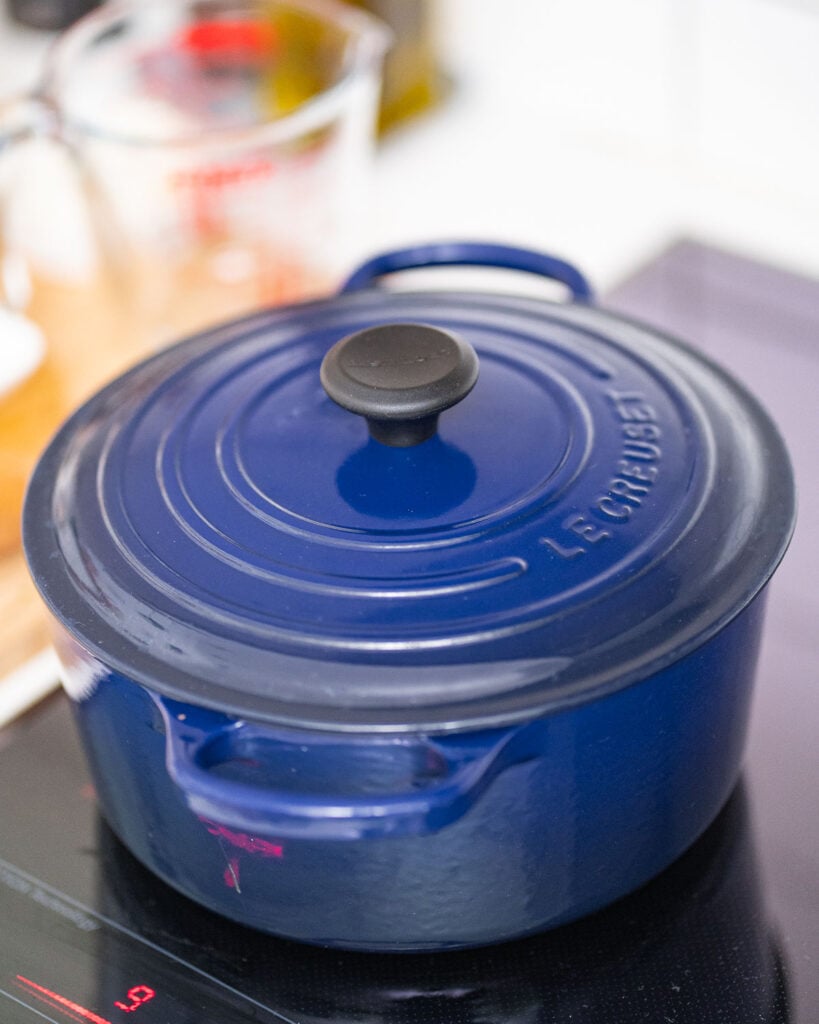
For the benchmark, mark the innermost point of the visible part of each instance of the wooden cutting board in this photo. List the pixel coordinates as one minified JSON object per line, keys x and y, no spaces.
{"x":88,"y":343}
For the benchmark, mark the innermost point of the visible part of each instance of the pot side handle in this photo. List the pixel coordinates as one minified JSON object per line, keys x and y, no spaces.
{"x":202,"y":740}
{"x":475,"y":254}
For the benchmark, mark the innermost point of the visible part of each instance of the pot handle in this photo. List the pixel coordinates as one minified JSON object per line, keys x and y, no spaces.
{"x":474,"y":254}
{"x":197,"y":741}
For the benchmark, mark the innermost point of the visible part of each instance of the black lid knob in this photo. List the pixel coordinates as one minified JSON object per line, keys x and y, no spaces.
{"x":400,"y":377}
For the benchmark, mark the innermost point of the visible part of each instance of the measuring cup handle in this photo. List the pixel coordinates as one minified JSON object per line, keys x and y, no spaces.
{"x":22,"y":118}
{"x":475,"y":254}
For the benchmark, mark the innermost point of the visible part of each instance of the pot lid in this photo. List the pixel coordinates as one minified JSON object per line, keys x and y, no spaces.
{"x":595,"y":501}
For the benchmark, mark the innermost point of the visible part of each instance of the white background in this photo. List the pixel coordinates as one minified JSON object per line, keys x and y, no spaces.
{"x":600,"y":129}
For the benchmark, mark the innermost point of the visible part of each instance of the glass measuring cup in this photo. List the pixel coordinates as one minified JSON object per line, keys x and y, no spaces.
{"x":212,"y":159}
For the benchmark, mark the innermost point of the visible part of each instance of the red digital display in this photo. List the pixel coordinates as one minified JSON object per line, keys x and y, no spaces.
{"x":137,"y":996}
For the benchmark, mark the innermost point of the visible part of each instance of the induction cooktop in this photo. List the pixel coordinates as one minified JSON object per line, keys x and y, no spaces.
{"x":728,"y":934}
{"x":89,"y":935}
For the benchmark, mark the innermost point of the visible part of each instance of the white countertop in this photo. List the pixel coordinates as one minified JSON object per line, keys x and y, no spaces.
{"x":600,"y":131}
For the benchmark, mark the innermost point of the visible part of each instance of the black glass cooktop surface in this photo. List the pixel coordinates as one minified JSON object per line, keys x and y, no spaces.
{"x":729,"y":934}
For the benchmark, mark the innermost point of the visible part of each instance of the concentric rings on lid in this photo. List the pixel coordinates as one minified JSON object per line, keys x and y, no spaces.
{"x":212,"y":524}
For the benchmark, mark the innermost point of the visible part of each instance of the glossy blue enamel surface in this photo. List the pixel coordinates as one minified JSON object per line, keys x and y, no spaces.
{"x":475,"y":254}
{"x":601,"y":503}
{"x":617,"y":789}
{"x":242,"y":487}
{"x":411,"y":698}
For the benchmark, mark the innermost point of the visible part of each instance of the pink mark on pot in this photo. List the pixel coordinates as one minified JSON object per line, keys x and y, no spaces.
{"x":241,"y":840}
{"x":231,"y":874}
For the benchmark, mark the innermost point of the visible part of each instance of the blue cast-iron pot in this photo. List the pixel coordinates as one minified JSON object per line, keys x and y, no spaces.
{"x":359,"y":677}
